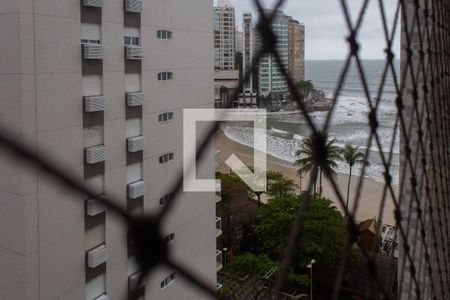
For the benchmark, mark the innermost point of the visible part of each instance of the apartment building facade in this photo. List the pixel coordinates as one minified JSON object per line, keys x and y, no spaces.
{"x":224,"y":35}
{"x":270,"y":77}
{"x":296,"y":50}
{"x":99,"y":87}
{"x":291,"y":48}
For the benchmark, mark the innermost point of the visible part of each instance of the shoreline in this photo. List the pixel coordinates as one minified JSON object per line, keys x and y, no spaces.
{"x":371,"y":192}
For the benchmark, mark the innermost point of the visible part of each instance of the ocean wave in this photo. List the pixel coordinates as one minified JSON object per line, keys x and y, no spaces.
{"x":286,"y":148}
{"x":278,"y":131}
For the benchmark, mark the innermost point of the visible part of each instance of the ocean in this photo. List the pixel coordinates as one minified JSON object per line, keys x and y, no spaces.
{"x":349,"y":124}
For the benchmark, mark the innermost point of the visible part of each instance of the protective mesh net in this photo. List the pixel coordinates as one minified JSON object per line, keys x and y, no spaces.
{"x":421,"y":199}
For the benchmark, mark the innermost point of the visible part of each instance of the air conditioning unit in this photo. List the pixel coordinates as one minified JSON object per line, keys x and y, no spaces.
{"x":134,"y":52}
{"x":97,"y":256}
{"x":133,"y":281}
{"x":94,"y":207}
{"x":95,"y":154}
{"x":135,"y":99}
{"x":102,"y":297}
{"x":136,"y":190}
{"x":94,"y":103}
{"x":136,"y":144}
{"x":133,"y":6}
{"x":93,"y":51}
{"x":92,"y":3}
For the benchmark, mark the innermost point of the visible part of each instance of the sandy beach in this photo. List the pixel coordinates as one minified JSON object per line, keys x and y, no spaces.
{"x":371,"y":193}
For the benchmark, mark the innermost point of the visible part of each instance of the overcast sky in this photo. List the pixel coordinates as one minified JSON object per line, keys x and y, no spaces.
{"x":325,"y":26}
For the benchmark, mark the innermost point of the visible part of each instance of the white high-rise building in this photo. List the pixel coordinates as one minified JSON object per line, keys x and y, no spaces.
{"x":224,"y":35}
{"x":270,"y":77}
{"x":99,"y":87}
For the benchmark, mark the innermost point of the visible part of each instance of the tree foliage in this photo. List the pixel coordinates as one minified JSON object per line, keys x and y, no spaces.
{"x":250,"y":264}
{"x":304,"y":87}
{"x":277,"y":184}
{"x":318,"y":152}
{"x":352,"y":156}
{"x":322,"y":235}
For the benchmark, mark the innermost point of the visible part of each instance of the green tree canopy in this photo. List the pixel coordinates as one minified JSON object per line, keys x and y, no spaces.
{"x":322,"y":236}
{"x":277,"y":184}
{"x":250,"y":264}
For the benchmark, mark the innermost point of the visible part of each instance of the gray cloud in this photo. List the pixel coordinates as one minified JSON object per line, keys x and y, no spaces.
{"x":326,"y":30}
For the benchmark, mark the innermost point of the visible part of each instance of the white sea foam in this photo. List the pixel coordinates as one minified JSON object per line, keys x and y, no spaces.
{"x":285,"y":149}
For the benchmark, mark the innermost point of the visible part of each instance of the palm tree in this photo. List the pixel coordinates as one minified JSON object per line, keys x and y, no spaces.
{"x":304,"y":87}
{"x":318,"y":151}
{"x":352,"y":156}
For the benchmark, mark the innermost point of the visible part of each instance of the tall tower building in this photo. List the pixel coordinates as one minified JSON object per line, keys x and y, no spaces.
{"x":239,"y":41}
{"x":224,"y":35}
{"x":270,"y":77}
{"x":296,"y":50}
{"x":248,"y":52}
{"x":99,"y":87}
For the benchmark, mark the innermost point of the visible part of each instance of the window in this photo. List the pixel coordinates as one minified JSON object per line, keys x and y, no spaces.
{"x":164,"y":199}
{"x":165,"y":76}
{"x":166,"y":158}
{"x":168,"y":280}
{"x":84,"y":41}
{"x":131,"y":41}
{"x":164,"y":34}
{"x":170,"y":238}
{"x":165,"y":117}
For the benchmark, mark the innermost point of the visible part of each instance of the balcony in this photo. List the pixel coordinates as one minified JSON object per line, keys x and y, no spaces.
{"x":135,"y":99}
{"x":133,"y":6}
{"x":92,"y":3}
{"x":133,"y":52}
{"x":95,"y":155}
{"x":94,"y":103}
{"x":97,"y":256}
{"x":136,"y":144}
{"x":219,"y":260}
{"x":93,"y":51}
{"x":218,"y":226}
{"x":136,"y":190}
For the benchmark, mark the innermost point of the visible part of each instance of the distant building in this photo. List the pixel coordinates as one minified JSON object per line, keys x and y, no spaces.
{"x":270,"y":76}
{"x":239,"y":41}
{"x":224,"y":36}
{"x":291,"y":48}
{"x":296,"y":50}
{"x":247,"y":54}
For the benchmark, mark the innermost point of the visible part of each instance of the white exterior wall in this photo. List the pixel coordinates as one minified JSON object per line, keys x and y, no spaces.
{"x":42,"y":234}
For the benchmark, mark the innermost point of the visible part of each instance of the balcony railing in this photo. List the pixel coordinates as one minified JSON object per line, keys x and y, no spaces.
{"x":133,"y":6}
{"x":218,"y":226}
{"x":133,"y":52}
{"x":219,"y":260}
{"x":92,"y":3}
{"x":93,"y":51}
{"x":135,"y":98}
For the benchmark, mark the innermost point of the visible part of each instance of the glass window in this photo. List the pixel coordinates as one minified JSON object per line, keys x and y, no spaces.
{"x":166,"y":158}
{"x":164,"y":34}
{"x":168,"y":280}
{"x":165,"y":76}
{"x":131,"y":41}
{"x":163,"y":200}
{"x":165,"y":117}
